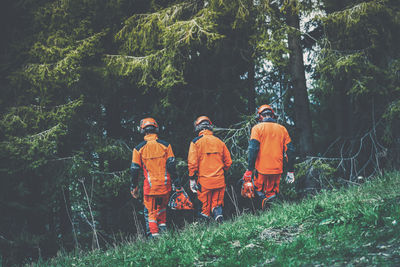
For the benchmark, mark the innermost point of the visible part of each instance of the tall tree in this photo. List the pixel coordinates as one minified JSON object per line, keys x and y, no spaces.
{"x":298,"y":79}
{"x":357,"y":65}
{"x":280,"y":38}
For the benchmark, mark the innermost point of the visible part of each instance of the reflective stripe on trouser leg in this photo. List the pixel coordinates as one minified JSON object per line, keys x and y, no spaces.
{"x":162,"y":214}
{"x":146,"y":220}
{"x":162,"y":220}
{"x":149,"y":203}
{"x":157,"y":215}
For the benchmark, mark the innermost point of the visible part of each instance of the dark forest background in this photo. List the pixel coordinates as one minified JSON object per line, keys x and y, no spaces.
{"x":77,"y":76}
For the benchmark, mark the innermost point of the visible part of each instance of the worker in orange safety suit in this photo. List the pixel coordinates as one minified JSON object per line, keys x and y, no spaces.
{"x":270,"y":145}
{"x":156,"y":158}
{"x":208,"y":159}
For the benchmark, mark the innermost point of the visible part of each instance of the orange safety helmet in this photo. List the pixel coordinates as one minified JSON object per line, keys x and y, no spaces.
{"x":262,"y":109}
{"x":202,"y":122}
{"x":148,"y":123}
{"x":180,"y":201}
{"x":247,"y":190}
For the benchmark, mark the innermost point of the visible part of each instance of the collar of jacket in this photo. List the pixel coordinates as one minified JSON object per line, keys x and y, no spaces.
{"x":269,"y":120}
{"x":205,"y":132}
{"x":149,"y":137}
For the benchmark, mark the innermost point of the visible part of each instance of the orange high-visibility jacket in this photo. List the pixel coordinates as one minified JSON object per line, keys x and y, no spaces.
{"x":152,"y":155}
{"x":209,"y":158}
{"x":273,"y":139}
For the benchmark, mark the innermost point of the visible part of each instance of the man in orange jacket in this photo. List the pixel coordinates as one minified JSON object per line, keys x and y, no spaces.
{"x":208,"y":159}
{"x":157,"y":160}
{"x":270,"y":145}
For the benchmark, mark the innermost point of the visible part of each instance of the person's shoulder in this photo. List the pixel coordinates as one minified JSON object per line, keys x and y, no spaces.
{"x":197,"y":139}
{"x":258,"y":126}
{"x":281,"y":127}
{"x":218,"y":139}
{"x":139,"y":146}
{"x":165,"y":143}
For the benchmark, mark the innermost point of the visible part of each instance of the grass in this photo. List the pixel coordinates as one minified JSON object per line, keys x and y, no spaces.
{"x":356,"y":226}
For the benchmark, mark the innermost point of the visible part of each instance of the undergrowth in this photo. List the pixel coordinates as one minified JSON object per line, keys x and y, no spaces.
{"x":354,"y":226}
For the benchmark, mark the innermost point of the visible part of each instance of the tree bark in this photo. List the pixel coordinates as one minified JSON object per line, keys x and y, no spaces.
{"x":251,"y":104}
{"x":298,"y":80}
{"x":64,"y":215}
{"x":343,"y":112}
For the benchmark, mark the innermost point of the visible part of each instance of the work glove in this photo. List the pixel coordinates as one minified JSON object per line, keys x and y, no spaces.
{"x":247,"y":176}
{"x":193,"y":186}
{"x":134,"y":191}
{"x":290,"y":177}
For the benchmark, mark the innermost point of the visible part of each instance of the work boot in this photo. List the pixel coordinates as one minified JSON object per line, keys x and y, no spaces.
{"x":154,"y":236}
{"x":162,"y":227}
{"x":217,"y":214}
{"x":219,"y":219}
{"x":266,"y":202}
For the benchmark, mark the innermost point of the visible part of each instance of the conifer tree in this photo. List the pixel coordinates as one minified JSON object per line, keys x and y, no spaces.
{"x":358,"y":64}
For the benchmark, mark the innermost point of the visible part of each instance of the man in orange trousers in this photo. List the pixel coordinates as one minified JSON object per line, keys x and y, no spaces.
{"x":156,"y":158}
{"x":208,"y":159}
{"x":270,"y":145}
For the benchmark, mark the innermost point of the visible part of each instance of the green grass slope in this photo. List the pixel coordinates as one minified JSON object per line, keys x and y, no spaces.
{"x":356,"y":226}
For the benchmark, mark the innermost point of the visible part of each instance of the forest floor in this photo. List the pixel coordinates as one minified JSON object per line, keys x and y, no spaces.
{"x":356,"y":226}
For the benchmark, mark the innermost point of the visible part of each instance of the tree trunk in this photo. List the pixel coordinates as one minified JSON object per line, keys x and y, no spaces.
{"x":339,"y":112}
{"x":343,"y":111}
{"x":251,"y":98}
{"x":298,"y":80}
{"x":64,"y":215}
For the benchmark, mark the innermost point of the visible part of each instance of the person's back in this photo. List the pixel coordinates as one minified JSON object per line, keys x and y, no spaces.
{"x":273,"y":139}
{"x":156,"y":158}
{"x":208,"y":159}
{"x":269,"y":144}
{"x":153,"y":154}
{"x":211,"y":158}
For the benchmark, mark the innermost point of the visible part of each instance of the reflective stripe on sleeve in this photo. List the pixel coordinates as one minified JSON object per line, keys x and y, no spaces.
{"x":147,"y":174}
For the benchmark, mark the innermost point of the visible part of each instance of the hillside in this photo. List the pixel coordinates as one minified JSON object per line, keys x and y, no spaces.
{"x":357,"y":226}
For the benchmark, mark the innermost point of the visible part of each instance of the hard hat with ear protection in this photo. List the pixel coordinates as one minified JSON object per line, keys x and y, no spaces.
{"x":148,"y":125}
{"x":202,"y":122}
{"x":263,"y":111}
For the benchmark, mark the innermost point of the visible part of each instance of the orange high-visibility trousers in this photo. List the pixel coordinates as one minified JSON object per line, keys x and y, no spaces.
{"x":210,"y":199}
{"x":155,"y":212}
{"x":268,"y":184}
